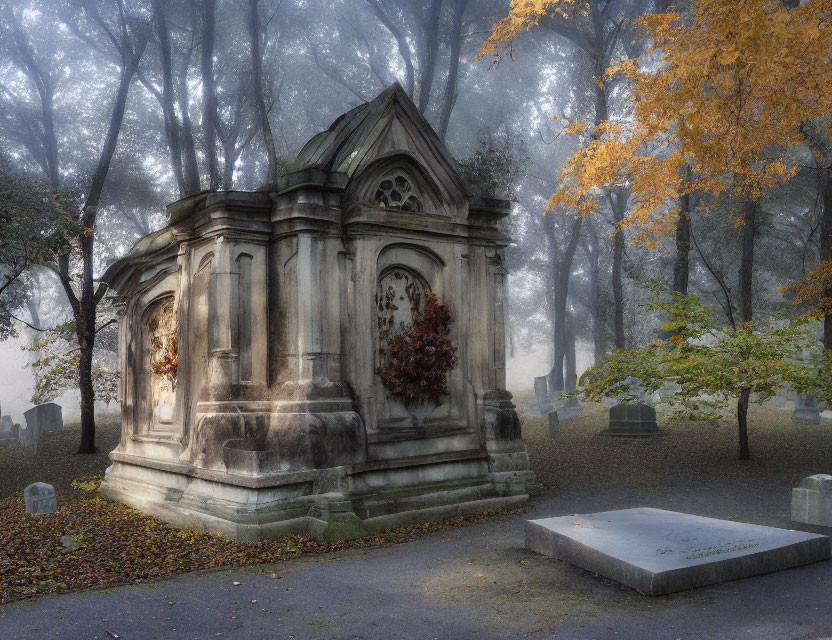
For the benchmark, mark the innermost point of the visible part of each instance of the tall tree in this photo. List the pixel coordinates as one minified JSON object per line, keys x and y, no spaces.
{"x":718,"y":115}
{"x":209,"y":91}
{"x":594,"y":29}
{"x":254,"y":34}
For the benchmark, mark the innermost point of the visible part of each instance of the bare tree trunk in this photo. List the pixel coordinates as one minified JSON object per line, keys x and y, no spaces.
{"x":429,"y":53}
{"x":563,"y":270}
{"x":749,"y":218}
{"x":681,"y":267}
{"x":599,"y":315}
{"x":618,"y":199}
{"x":190,"y":168}
{"x":257,"y":79}
{"x":571,"y":365}
{"x":209,"y":92}
{"x":169,"y":112}
{"x":458,"y":7}
{"x":85,"y":312}
{"x":401,"y":41}
{"x":826,"y":245}
{"x":742,"y":423}
{"x":46,"y":90}
{"x":746,"y":311}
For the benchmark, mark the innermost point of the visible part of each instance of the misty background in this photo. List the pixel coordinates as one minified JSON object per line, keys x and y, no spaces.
{"x":193,"y":121}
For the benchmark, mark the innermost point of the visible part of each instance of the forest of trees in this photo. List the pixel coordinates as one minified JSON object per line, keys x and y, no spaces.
{"x":691,"y":148}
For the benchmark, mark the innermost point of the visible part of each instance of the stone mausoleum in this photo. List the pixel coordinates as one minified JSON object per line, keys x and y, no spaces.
{"x":257,"y":325}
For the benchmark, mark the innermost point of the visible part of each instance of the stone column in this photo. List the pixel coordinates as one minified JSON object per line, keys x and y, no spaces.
{"x":222,"y":324}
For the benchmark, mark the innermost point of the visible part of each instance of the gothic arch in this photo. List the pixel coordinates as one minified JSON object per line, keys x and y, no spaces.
{"x":396,"y":182}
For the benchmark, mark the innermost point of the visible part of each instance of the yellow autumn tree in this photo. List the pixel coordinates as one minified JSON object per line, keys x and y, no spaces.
{"x":726,"y":93}
{"x":720,"y":98}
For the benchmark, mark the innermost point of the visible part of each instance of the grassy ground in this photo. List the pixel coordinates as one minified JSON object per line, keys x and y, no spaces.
{"x":53,"y":459}
{"x":782,"y":451}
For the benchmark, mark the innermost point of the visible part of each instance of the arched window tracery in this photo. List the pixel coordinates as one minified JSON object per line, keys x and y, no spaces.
{"x":396,"y":191}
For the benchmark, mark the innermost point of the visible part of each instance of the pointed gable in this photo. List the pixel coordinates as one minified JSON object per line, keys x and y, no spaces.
{"x":390,"y":126}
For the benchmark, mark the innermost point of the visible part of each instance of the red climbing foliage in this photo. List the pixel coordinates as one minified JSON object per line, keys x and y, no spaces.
{"x":421,"y":357}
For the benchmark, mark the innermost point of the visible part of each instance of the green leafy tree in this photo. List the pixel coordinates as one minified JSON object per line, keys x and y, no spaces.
{"x":714,"y":368}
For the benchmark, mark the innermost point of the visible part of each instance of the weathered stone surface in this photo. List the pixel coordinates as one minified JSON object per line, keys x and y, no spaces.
{"x":70,"y":543}
{"x":659,"y":552}
{"x":28,"y":433}
{"x":39,"y":497}
{"x":255,"y":326}
{"x":806,"y":408}
{"x":632,"y":420}
{"x":8,"y":431}
{"x":812,"y":500}
{"x":569,"y":409}
{"x":541,"y":394}
{"x":45,"y":418}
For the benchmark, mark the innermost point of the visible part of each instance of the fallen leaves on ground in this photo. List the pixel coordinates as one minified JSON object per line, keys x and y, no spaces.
{"x":119,"y":545}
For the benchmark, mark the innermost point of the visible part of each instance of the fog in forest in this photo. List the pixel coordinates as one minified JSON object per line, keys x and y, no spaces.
{"x":222,"y":94}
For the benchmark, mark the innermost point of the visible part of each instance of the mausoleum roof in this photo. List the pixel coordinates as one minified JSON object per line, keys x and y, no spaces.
{"x":387,"y":125}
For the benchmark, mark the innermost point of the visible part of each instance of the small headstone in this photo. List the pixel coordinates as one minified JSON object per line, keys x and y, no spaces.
{"x":632,"y":420}
{"x":28,"y":434}
{"x":8,"y":431}
{"x":541,"y":394}
{"x":659,"y":552}
{"x":569,"y":409}
{"x":46,"y":417}
{"x":39,"y":497}
{"x":812,"y":500}
{"x":554,"y":422}
{"x":806,"y":408}
{"x":70,"y":543}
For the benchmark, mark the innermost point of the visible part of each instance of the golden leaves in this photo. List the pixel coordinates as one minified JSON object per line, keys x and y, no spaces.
{"x":718,"y":102}
{"x":522,"y":15}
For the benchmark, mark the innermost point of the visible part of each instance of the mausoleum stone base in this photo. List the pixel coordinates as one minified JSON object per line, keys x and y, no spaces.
{"x":337,"y":503}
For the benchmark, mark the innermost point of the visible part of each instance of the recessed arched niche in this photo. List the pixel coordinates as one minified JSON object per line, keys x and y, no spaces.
{"x":400,"y":298}
{"x":406,"y":275}
{"x":161,"y":363}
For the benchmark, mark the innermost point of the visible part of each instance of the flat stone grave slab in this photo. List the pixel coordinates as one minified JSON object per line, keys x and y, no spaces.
{"x":658,"y":552}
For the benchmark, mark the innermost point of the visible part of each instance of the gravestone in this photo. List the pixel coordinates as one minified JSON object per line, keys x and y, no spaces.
{"x":39,"y":497}
{"x":46,"y":417}
{"x":806,"y":408}
{"x":812,"y":500}
{"x":632,"y":420}
{"x":541,"y":394}
{"x":569,"y":409}
{"x":8,"y":431}
{"x":658,"y":552}
{"x":554,"y":423}
{"x":28,"y":434}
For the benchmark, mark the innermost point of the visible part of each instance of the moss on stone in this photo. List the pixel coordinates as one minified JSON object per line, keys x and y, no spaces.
{"x":183,"y":210}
